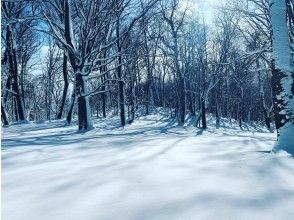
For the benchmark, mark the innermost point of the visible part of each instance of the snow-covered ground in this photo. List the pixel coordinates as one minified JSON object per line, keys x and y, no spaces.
{"x":150,"y":170}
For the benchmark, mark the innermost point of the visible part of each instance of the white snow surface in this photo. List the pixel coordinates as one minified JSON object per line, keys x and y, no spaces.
{"x":150,"y":170}
{"x":286,"y":139}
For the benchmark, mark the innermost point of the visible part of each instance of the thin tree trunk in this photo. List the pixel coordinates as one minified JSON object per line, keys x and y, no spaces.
{"x":70,"y":112}
{"x":104,"y":93}
{"x":4,"y":115}
{"x":65,"y":88}
{"x":121,"y":92}
{"x":203,"y":114}
{"x":182,"y":111}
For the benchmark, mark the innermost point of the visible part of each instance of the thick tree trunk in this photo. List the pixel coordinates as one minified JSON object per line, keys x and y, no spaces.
{"x":13,"y":71}
{"x":65,"y":88}
{"x":282,"y":79}
{"x":84,"y":112}
{"x":19,"y":104}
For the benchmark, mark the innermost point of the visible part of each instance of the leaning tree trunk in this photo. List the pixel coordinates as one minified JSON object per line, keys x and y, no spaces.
{"x":65,"y":88}
{"x":282,"y":79}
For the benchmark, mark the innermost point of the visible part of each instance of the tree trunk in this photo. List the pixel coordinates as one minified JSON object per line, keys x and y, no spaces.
{"x":4,"y":115}
{"x":132,"y":94}
{"x":103,"y":104}
{"x":69,"y":114}
{"x":121,"y":92}
{"x":182,"y":112}
{"x":13,"y":69}
{"x":65,"y":88}
{"x":282,"y":79}
{"x":15,"y":108}
{"x":84,"y":112}
{"x":240,"y":113}
{"x":147,"y":102}
{"x":121,"y":100}
{"x":203,"y":113}
{"x":104,"y":93}
{"x":217,"y":122}
{"x":8,"y":87}
{"x":49,"y":94}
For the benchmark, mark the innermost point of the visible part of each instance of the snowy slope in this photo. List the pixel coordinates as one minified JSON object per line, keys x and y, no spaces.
{"x":151,"y":170}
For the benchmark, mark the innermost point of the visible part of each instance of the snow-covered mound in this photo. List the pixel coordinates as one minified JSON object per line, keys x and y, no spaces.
{"x":151,"y":169}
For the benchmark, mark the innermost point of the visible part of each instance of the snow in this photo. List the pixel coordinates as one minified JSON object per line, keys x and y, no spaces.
{"x":152,"y":169}
{"x":286,"y":139}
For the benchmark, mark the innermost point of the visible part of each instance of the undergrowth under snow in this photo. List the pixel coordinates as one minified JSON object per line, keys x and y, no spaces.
{"x":150,"y":170}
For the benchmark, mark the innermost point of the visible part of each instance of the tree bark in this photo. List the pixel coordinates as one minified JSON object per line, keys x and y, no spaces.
{"x":65,"y":88}
{"x":282,"y":79}
{"x":84,"y":117}
{"x":13,"y":71}
{"x":4,"y":115}
{"x":70,"y":112}
{"x":203,"y":113}
{"x":121,"y":92}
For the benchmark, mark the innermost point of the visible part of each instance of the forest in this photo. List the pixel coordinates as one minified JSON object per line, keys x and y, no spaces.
{"x":98,"y":73}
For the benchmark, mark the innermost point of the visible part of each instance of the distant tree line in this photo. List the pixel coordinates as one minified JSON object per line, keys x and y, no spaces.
{"x":111,"y":56}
